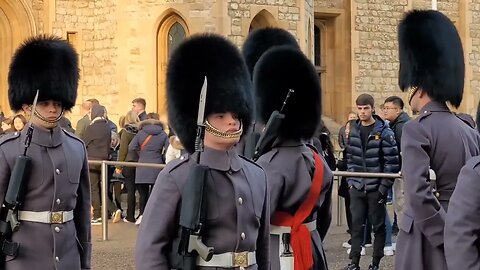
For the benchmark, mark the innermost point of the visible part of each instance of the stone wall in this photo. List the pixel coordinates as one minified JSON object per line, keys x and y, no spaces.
{"x":473,"y":56}
{"x":95,"y":25}
{"x":375,"y":56}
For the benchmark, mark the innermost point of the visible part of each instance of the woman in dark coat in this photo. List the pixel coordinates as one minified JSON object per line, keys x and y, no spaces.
{"x":150,"y":143}
{"x":130,"y":129}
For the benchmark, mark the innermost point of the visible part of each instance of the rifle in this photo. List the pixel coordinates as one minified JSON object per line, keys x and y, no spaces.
{"x":270,"y":132}
{"x":14,"y":197}
{"x":250,"y":143}
{"x":193,"y":210}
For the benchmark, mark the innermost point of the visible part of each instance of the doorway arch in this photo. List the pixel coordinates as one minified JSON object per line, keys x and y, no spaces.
{"x":171,"y":31}
{"x":16,"y":25}
{"x":263,"y":19}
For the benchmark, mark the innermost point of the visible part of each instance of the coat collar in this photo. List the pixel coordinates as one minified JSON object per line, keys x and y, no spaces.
{"x":220,"y":160}
{"x":434,"y":106}
{"x":46,"y":137}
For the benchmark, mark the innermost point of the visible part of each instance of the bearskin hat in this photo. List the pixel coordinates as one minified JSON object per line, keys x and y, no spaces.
{"x":45,"y":63}
{"x":278,"y":70}
{"x":431,"y":56}
{"x":259,"y":41}
{"x":229,"y":85}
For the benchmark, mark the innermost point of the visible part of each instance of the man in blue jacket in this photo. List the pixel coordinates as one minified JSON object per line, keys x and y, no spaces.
{"x":371,"y":148}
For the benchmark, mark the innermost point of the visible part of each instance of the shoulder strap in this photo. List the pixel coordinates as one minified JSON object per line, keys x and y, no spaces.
{"x":145,"y":142}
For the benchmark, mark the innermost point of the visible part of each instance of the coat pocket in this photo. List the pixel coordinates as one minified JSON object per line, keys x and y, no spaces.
{"x":406,"y":224}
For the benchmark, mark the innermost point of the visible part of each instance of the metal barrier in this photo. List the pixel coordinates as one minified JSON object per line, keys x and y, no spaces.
{"x":338,"y":174}
{"x":104,"y":189}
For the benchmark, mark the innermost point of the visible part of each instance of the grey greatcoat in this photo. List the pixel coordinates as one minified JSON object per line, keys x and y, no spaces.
{"x":290,"y":167}
{"x":237,"y":206}
{"x":439,"y":139}
{"x":462,"y":226}
{"x":58,"y":182}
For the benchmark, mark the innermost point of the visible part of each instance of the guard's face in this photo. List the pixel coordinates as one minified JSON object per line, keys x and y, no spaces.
{"x":225,"y":122}
{"x":49,"y":110}
{"x":364,"y":112}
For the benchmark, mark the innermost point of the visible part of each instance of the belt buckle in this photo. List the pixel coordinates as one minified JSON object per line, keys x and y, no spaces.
{"x":56,"y":217}
{"x":240,"y":259}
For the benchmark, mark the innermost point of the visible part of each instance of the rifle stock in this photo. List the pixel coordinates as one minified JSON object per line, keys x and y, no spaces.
{"x":12,"y":202}
{"x":269,"y":134}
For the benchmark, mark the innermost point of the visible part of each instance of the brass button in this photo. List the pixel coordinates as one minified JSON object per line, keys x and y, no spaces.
{"x":242,"y":235}
{"x":57,"y":201}
{"x":437,"y":194}
{"x":57,"y":229}
{"x":57,"y":171}
{"x":240,"y":200}
{"x":57,"y":259}
{"x":182,"y":158}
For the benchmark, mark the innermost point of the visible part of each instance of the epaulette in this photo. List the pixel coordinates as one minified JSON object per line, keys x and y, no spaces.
{"x":172,"y":165}
{"x":9,"y":136}
{"x":71,"y":135}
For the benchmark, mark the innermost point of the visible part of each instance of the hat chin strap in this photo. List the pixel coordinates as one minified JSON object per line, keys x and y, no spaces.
{"x":411,"y":93}
{"x":226,"y":135}
{"x":46,"y":120}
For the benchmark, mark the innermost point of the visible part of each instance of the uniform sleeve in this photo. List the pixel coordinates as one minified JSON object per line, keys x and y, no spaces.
{"x":427,"y":212}
{"x":263,"y":240}
{"x":4,"y":175}
{"x":390,"y":158}
{"x":324,"y":213}
{"x":82,"y":216}
{"x":276,"y":183}
{"x":158,"y":227}
{"x":462,"y":226}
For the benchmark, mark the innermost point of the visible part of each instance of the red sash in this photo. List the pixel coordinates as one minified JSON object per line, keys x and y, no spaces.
{"x":302,"y":249}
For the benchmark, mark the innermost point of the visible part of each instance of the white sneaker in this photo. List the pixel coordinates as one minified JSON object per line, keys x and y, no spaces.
{"x":363,"y":252}
{"x":346,"y":245}
{"x":117,"y":216}
{"x":368,"y":245}
{"x":388,"y":251}
{"x":139,"y":220}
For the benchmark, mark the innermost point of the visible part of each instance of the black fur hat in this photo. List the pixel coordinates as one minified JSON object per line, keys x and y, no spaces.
{"x":45,"y":63}
{"x":431,"y":56}
{"x":229,"y":85}
{"x":278,"y":70}
{"x":259,"y":41}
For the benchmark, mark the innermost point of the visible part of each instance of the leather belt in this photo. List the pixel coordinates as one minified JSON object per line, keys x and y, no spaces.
{"x":46,"y":216}
{"x":279,"y":230}
{"x":443,"y":195}
{"x":230,"y":260}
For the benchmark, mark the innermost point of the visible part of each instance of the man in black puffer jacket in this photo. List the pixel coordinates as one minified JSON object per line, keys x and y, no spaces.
{"x":371,"y":148}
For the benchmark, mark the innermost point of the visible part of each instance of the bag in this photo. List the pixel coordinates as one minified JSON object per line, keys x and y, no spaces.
{"x":145,"y":142}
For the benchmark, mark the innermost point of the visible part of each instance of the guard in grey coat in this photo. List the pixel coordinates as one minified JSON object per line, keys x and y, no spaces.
{"x":432,"y":70}
{"x":54,"y":228}
{"x":462,"y":226}
{"x":293,"y":166}
{"x":237,"y":219}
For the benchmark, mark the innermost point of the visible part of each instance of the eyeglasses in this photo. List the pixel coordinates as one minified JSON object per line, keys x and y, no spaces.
{"x":387,"y":108}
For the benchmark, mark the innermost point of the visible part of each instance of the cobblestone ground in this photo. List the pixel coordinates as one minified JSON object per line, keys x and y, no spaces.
{"x":118,"y":251}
